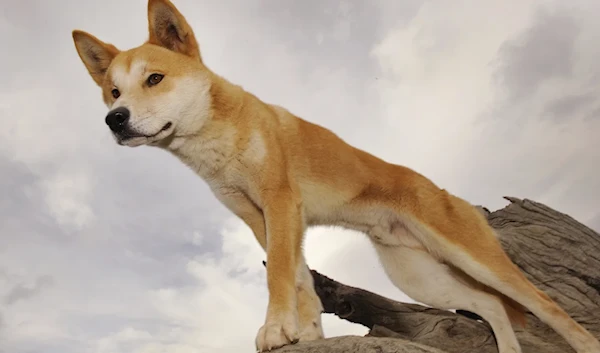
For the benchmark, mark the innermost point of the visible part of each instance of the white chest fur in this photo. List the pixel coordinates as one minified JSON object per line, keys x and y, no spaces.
{"x":206,"y":155}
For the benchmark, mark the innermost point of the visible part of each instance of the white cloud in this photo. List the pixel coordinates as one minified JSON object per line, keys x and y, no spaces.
{"x":139,"y":341}
{"x":223,"y":310}
{"x":437,"y":79}
{"x":440,"y":97}
{"x":68,"y":195}
{"x":28,"y":114}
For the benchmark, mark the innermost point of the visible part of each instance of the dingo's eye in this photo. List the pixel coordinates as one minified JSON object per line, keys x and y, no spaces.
{"x":115,"y":93}
{"x":154,"y":79}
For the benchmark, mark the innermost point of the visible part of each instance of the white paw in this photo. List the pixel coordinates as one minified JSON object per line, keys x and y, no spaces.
{"x":312,"y":332}
{"x":277,"y":333}
{"x":309,"y":311}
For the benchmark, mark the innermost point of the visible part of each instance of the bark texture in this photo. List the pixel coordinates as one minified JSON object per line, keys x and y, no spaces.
{"x":558,"y":254}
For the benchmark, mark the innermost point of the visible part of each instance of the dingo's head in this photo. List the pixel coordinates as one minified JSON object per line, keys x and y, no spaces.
{"x":157,"y":91}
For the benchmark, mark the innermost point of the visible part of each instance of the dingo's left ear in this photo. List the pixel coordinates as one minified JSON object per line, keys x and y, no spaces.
{"x":169,"y":29}
{"x":95,"y":54}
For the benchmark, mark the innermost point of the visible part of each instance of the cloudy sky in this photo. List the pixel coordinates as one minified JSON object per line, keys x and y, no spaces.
{"x":107,"y":249}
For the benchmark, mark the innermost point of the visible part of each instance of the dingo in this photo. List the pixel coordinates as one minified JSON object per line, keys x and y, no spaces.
{"x":281,"y":174}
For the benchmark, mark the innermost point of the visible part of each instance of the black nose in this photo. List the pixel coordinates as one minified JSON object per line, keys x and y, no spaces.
{"x":117,"y":118}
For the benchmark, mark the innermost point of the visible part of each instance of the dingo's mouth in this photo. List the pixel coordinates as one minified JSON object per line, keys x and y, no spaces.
{"x":133,"y":138}
{"x":129,"y":134}
{"x":167,"y":126}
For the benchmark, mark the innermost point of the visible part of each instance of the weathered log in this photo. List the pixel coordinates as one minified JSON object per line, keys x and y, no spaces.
{"x":358,"y":344}
{"x":558,"y":254}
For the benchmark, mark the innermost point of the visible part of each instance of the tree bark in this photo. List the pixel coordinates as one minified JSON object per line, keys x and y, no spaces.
{"x":558,"y":254}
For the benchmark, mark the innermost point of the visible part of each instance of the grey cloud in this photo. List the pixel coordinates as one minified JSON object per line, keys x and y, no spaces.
{"x":143,"y":213}
{"x":594,"y":114}
{"x":14,"y":180}
{"x":567,"y":106}
{"x":2,"y":324}
{"x":329,"y":33}
{"x":24,"y":21}
{"x":22,"y":205}
{"x":543,"y":52}
{"x":141,"y":236}
{"x":154,"y":209}
{"x":23,"y":292}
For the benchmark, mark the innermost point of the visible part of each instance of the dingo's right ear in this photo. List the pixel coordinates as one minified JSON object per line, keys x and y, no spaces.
{"x":95,"y":54}
{"x":169,"y":29}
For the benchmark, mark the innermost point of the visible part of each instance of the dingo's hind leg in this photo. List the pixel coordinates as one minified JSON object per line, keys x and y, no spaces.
{"x":499,"y":273}
{"x":469,"y":243}
{"x":423,"y":278}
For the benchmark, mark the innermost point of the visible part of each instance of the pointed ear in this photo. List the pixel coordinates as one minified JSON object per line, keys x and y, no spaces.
{"x":169,"y":29}
{"x":95,"y":54}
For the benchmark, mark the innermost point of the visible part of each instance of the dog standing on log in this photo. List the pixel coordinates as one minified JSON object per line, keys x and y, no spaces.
{"x":281,"y":174}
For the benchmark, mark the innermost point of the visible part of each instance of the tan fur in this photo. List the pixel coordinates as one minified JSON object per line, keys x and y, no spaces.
{"x":281,"y":174}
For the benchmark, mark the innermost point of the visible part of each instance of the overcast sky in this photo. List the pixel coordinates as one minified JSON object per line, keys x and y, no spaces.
{"x":107,"y":249}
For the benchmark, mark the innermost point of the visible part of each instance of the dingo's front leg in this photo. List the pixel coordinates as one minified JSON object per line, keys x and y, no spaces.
{"x":285,"y":228}
{"x":309,"y":305}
